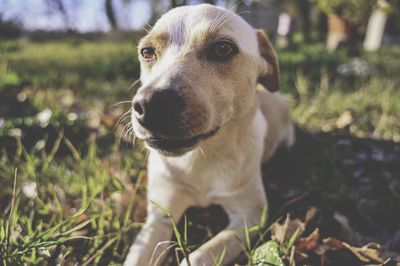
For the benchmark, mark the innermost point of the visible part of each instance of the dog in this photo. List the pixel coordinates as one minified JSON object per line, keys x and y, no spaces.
{"x":209,"y":113}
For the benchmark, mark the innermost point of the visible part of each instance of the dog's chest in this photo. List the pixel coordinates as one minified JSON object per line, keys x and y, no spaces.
{"x":208,"y":179}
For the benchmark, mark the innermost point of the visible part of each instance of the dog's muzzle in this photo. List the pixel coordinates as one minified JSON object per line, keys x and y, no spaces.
{"x":159,"y":111}
{"x":178,"y":146}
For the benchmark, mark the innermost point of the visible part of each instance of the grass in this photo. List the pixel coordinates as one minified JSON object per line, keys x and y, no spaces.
{"x":79,"y":191}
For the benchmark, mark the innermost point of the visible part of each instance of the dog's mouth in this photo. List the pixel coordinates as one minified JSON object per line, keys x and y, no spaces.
{"x":172,"y":146}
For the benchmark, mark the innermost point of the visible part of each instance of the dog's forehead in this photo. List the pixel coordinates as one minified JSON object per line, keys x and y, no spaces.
{"x":189,"y":23}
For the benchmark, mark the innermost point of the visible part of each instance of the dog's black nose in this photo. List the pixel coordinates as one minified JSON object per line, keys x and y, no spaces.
{"x":159,"y":111}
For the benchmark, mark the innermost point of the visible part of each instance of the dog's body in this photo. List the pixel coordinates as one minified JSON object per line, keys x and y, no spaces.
{"x":200,"y":69}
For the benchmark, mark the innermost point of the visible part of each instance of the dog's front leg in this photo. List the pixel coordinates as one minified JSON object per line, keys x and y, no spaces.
{"x":243,"y":210}
{"x":149,"y":245}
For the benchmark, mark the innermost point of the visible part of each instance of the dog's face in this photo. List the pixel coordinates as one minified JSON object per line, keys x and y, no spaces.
{"x":199,"y":70}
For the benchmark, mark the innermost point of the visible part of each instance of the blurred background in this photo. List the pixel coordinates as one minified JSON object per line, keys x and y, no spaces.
{"x":67,"y":68}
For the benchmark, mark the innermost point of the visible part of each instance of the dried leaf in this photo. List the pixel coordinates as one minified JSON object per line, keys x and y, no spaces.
{"x":308,"y":243}
{"x":333,"y":243}
{"x":310,"y":214}
{"x":366,"y":253}
{"x":283,"y":232}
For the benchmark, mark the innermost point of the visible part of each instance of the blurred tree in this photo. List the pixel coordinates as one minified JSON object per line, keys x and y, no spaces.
{"x":393,"y":24}
{"x":110,"y":12}
{"x":9,"y":29}
{"x":300,"y":13}
{"x":356,"y":12}
{"x":176,"y":3}
{"x":58,"y":7}
{"x":376,"y":26}
{"x":347,"y":19}
{"x":305,"y":9}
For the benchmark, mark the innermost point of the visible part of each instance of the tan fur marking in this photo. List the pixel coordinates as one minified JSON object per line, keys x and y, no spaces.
{"x":157,"y":40}
{"x":269,"y":80}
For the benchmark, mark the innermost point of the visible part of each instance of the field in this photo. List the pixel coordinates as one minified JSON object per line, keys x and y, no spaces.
{"x":73,"y":183}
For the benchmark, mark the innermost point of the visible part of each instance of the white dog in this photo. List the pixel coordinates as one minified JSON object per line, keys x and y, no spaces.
{"x":207,"y":114}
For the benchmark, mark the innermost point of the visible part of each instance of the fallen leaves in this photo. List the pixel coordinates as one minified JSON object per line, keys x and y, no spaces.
{"x":289,"y":246}
{"x":284,"y":232}
{"x":307,"y":243}
{"x":369,"y":253}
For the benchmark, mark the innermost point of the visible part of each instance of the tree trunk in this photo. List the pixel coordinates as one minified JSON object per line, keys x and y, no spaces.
{"x":338,"y":31}
{"x":176,"y":3}
{"x":305,"y":8}
{"x":110,"y":12}
{"x":59,"y":7}
{"x":376,"y":28}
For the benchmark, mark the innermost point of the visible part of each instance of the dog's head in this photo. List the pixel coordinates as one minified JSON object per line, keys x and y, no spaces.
{"x":199,"y":70}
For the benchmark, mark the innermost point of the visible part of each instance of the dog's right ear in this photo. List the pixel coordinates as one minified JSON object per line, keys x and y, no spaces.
{"x":269,"y":66}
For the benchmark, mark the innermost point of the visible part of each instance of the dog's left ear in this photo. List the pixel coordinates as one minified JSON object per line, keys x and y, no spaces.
{"x":269,"y":66}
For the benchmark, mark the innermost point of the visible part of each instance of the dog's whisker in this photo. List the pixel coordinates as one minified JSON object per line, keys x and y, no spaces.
{"x":203,"y":153}
{"x":124,"y":115}
{"x":128,"y":131}
{"x":244,"y":12}
{"x":122,"y":118}
{"x":131,"y":132}
{"x":215,"y":21}
{"x":133,"y":140}
{"x":122,"y":131}
{"x":227,"y":18}
{"x":149,"y":28}
{"x":130,"y":135}
{"x":120,"y":137}
{"x":118,"y":103}
{"x":134,"y":84}
{"x":220,"y":20}
{"x":236,"y":5}
{"x":224,"y":18}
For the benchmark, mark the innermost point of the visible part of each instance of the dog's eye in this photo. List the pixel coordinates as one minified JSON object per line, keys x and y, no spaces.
{"x":148,"y":53}
{"x":222,"y":50}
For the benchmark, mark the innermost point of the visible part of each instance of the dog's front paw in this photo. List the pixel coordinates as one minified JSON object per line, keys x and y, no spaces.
{"x":198,"y":258}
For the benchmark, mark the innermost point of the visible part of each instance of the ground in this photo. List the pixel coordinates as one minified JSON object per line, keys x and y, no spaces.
{"x":80,"y":181}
